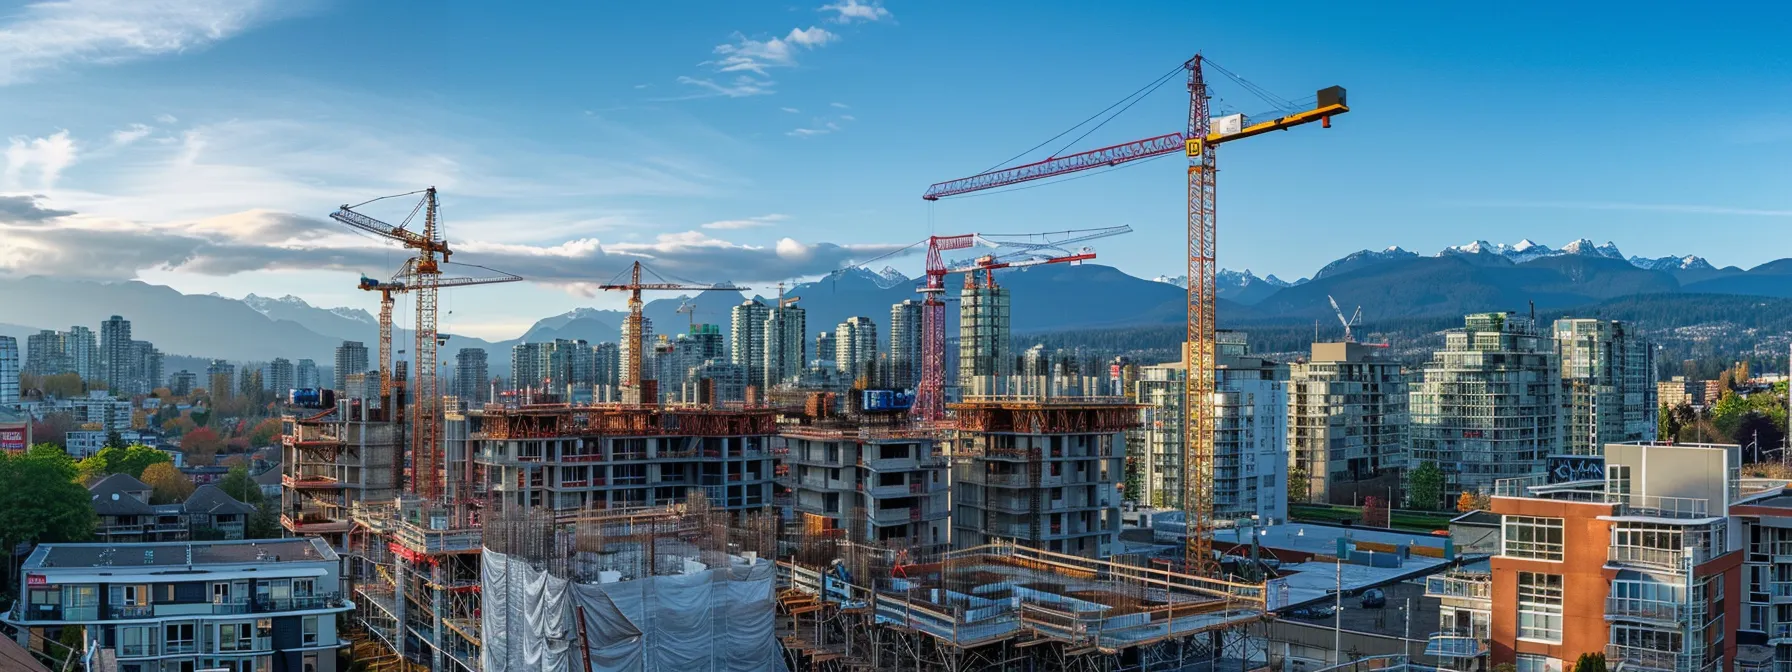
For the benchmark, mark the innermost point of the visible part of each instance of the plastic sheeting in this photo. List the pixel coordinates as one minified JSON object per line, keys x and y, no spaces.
{"x":719,"y":619}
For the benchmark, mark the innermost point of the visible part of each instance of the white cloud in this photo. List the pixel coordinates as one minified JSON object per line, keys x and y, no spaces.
{"x":51,"y":35}
{"x":848,"y":117}
{"x":819,"y":128}
{"x":129,"y":134}
{"x":791,"y":110}
{"x":165,"y":119}
{"x":842,"y":106}
{"x":748,"y":223}
{"x":642,"y":86}
{"x":848,"y":11}
{"x":749,"y":55}
{"x":46,"y":157}
{"x":741,"y":87}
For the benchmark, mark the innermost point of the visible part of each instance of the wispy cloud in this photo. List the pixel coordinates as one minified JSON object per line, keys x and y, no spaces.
{"x":820,"y":127}
{"x":748,"y":223}
{"x":791,"y":110}
{"x":44,"y":157}
{"x":1634,"y":207}
{"x":742,"y":87}
{"x":849,"y":11}
{"x":842,"y":106}
{"x":130,"y":134}
{"x":45,"y":36}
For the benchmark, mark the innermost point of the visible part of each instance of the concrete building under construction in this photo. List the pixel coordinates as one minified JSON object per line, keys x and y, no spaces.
{"x":1039,"y":468}
{"x":868,"y":472}
{"x":1003,"y":606}
{"x":333,"y":459}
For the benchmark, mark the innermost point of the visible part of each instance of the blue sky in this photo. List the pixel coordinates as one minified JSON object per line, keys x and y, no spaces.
{"x":202,"y":144}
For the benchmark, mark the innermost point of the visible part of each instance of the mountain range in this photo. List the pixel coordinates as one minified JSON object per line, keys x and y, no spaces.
{"x":1388,"y":284}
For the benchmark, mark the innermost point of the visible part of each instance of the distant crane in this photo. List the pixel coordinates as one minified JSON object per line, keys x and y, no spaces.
{"x":1348,"y":323}
{"x":1025,"y":249}
{"x":632,"y":374}
{"x":1204,"y":134}
{"x":422,"y":276}
{"x":690,"y":311}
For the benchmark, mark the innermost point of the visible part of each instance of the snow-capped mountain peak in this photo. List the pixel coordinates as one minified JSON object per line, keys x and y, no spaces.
{"x":1477,"y":247}
{"x":891,"y":278}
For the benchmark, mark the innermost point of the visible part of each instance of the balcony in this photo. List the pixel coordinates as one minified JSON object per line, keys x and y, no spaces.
{"x":1455,"y":644}
{"x":1675,"y":559}
{"x":312,"y":523}
{"x":893,"y":516}
{"x":886,"y":491}
{"x":1669,"y":613}
{"x":1474,"y":587}
{"x":310,"y":482}
{"x":1634,"y":658}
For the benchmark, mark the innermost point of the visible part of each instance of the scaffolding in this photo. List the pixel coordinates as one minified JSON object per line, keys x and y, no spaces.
{"x":850,"y":606}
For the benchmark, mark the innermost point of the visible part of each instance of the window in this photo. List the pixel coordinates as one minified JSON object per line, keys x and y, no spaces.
{"x":1527,"y":537}
{"x":221,"y":592}
{"x":1534,"y":663}
{"x":135,"y":641}
{"x":236,"y":636}
{"x":1617,"y":479}
{"x":1540,"y":606}
{"x":177,"y":638}
{"x":310,"y":631}
{"x":130,"y":596}
{"x":302,"y":587}
{"x":81,"y":603}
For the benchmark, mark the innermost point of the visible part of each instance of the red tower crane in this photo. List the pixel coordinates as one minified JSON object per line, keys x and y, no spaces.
{"x":632,"y":375}
{"x":1025,"y":249}
{"x":422,"y":276}
{"x":1198,"y":143}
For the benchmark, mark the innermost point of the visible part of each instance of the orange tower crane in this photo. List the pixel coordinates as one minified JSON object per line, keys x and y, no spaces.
{"x":1204,"y":134}
{"x":632,"y":374}
{"x":422,"y":276}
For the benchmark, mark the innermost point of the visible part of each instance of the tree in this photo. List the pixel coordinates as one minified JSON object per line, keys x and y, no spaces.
{"x":200,"y":418}
{"x":1375,"y":511}
{"x":201,"y":445}
{"x":167,"y":485}
{"x":234,"y":461}
{"x":1425,"y":487}
{"x":264,"y":433}
{"x":1590,"y":662}
{"x":53,"y":428}
{"x":1667,"y":425}
{"x":265,"y":522}
{"x":115,"y":440}
{"x":131,"y":460}
{"x":1757,"y":432}
{"x":41,"y":500}
{"x":1300,"y":485}
{"x":73,"y":643}
{"x":1466,"y":502}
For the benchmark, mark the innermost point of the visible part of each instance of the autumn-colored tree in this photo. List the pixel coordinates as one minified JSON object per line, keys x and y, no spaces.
{"x":1465,"y":502}
{"x":264,"y":433}
{"x":53,"y":428}
{"x":167,"y":485}
{"x":1375,"y":511}
{"x":236,"y":460}
{"x":131,"y":460}
{"x":237,"y":444}
{"x":201,"y":445}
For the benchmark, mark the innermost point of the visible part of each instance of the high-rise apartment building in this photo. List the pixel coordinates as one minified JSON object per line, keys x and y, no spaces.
{"x":855,"y":347}
{"x":83,"y":352}
{"x":279,"y":378}
{"x":1347,"y":422}
{"x":983,"y":336}
{"x":785,"y":348}
{"x":182,"y":382}
{"x":1250,"y":467}
{"x":529,"y":365}
{"x":305,"y":375}
{"x":45,"y":354}
{"x":471,"y":376}
{"x":9,"y":370}
{"x":905,"y":344}
{"x":1489,"y":406}
{"x":221,"y":379}
{"x":607,"y":364}
{"x":1608,"y":385}
{"x":825,"y":350}
{"x":146,"y":363}
{"x":747,"y":338}
{"x":351,"y":358}
{"x":116,"y":354}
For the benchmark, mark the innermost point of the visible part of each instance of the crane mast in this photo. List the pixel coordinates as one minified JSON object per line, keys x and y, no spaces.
{"x":632,"y":373}
{"x":1203,"y":230}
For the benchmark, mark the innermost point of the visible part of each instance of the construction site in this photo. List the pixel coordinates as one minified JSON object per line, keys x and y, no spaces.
{"x":969,"y":523}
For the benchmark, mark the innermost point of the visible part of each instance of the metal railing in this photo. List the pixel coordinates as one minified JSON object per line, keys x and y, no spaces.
{"x":1651,"y":659}
{"x":1472,"y":587}
{"x":1664,"y":558}
{"x":1651,"y":610}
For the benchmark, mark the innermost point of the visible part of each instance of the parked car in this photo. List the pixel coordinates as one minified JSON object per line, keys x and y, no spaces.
{"x":1313,"y":613}
{"x":1373,"y":598}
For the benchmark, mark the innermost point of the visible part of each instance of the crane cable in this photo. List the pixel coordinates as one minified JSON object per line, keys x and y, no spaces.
{"x":1145,"y":90}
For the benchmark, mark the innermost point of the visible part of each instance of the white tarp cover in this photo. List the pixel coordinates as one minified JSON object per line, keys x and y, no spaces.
{"x":718,"y":619}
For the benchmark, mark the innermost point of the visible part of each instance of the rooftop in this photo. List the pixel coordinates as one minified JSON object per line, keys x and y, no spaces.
{"x":179,"y":554}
